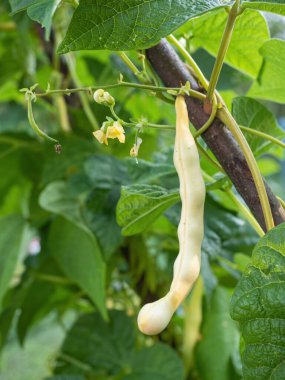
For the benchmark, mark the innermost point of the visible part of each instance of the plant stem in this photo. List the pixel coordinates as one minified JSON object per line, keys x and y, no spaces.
{"x":226,"y":117}
{"x":240,"y":206}
{"x":7,"y":26}
{"x":282,"y":202}
{"x":83,"y":98}
{"x":68,"y":91}
{"x":208,"y":158}
{"x":190,"y":60}
{"x":245,"y":212}
{"x":129,"y":63}
{"x":210,"y":120}
{"x":226,"y":39}
{"x":263,"y":135}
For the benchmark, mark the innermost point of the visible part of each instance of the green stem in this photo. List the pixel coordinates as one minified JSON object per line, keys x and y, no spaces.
{"x":7,"y":26}
{"x":226,"y":39}
{"x":33,"y":123}
{"x":53,"y":279}
{"x":190,"y":60}
{"x":208,"y":158}
{"x":68,"y":91}
{"x":282,"y":202}
{"x":245,"y":212}
{"x":240,"y":206}
{"x":129,"y":63}
{"x":229,"y":121}
{"x":210,"y":120}
{"x":263,"y":135}
{"x":83,"y":97}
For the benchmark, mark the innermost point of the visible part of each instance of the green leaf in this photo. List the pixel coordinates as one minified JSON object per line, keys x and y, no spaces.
{"x":12,"y":244}
{"x":41,"y":11}
{"x":131,"y":24}
{"x":270,"y":84}
{"x":274,"y":6}
{"x":65,"y":377}
{"x":57,"y":198}
{"x":220,"y":339}
{"x":100,"y":214}
{"x":140,"y":205}
{"x":206,"y":32}
{"x":252,"y":114}
{"x":109,"y":349}
{"x":258,"y":304}
{"x":78,"y":256}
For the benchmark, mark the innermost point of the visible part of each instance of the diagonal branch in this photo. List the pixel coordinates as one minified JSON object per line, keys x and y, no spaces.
{"x":219,"y":139}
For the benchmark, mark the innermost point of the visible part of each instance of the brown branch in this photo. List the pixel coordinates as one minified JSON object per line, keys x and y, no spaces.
{"x":219,"y":139}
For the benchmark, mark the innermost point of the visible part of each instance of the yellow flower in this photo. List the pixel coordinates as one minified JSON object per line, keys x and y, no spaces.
{"x":116,"y":131}
{"x":101,"y":137}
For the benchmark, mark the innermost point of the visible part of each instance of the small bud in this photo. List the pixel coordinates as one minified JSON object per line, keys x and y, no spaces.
{"x":103,"y":97}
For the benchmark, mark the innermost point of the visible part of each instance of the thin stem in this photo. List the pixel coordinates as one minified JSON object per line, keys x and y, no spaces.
{"x":129,"y":63}
{"x":33,"y":123}
{"x":210,"y":120}
{"x":53,"y":279}
{"x":245,"y":212}
{"x":83,"y":98}
{"x":240,"y":206}
{"x":263,"y":135}
{"x":69,"y":91}
{"x":190,"y":60}
{"x":208,"y":158}
{"x":226,"y":39}
{"x":282,"y":202}
{"x":230,"y":122}
{"x":7,"y":26}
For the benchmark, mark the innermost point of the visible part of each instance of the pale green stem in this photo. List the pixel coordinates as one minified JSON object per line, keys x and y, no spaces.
{"x":190,"y":60}
{"x":68,"y":91}
{"x":226,"y":117}
{"x":7,"y":26}
{"x":263,"y":135}
{"x":233,"y":14}
{"x":282,"y":202}
{"x":210,"y":120}
{"x":208,"y":158}
{"x":129,"y":63}
{"x":33,"y":123}
{"x":245,"y":212}
{"x":240,"y":206}
{"x":83,"y":97}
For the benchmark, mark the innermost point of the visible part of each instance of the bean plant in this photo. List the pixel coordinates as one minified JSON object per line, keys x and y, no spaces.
{"x":142,"y":182}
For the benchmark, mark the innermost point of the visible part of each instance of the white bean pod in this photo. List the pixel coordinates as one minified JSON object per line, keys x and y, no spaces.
{"x":155,"y":316}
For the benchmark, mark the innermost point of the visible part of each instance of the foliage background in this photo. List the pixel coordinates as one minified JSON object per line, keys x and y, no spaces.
{"x":58,"y":212}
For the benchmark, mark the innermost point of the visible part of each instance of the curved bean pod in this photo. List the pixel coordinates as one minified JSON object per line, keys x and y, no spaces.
{"x":155,"y":316}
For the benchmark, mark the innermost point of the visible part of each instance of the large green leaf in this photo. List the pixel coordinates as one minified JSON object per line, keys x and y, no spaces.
{"x":258,"y":304}
{"x":206,"y":32}
{"x":109,"y":349}
{"x":271,"y":81}
{"x":130,"y":24}
{"x":12,"y":243}
{"x":140,"y":205}
{"x":274,"y":6}
{"x":220,"y":339}
{"x":252,"y":114}
{"x":78,"y":256}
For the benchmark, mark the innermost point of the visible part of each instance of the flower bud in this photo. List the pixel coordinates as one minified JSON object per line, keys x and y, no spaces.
{"x":103,"y":97}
